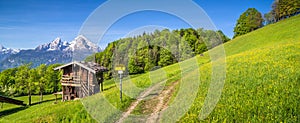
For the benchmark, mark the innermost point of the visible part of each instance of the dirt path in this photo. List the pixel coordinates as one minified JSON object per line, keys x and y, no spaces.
{"x":163,"y":99}
{"x":139,"y":99}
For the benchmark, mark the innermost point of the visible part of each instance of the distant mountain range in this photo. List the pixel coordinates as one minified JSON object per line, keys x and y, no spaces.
{"x":56,"y":51}
{"x":5,"y":52}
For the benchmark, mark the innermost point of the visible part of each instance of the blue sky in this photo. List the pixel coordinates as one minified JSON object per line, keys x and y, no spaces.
{"x":27,"y":23}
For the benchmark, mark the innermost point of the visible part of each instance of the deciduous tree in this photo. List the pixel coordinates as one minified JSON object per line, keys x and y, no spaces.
{"x":23,"y":81}
{"x":250,"y":20}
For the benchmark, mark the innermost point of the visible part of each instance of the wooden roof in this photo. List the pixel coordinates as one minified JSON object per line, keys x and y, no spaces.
{"x":90,"y":66}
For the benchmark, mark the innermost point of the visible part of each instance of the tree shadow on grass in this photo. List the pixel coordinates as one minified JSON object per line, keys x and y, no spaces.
{"x":11,"y":111}
{"x":17,"y":109}
{"x":40,"y":102}
{"x":105,"y":89}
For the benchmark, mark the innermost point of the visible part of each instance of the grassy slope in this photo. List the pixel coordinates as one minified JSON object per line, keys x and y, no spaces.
{"x":45,"y":111}
{"x":283,"y":32}
{"x":263,"y":85}
{"x":262,"y":81}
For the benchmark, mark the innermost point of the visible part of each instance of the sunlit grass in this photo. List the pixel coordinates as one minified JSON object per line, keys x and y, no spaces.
{"x":262,"y":84}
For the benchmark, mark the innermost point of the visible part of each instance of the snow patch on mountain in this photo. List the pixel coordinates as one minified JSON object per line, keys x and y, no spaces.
{"x":82,"y":43}
{"x":4,"y":50}
{"x":79,"y":43}
{"x":56,"y":44}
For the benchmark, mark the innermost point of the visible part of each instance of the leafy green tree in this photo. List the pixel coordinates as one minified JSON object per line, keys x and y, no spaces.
{"x":269,"y":18}
{"x":32,"y":82}
{"x":249,"y":21}
{"x":282,"y":9}
{"x":23,"y":81}
{"x":275,"y":12}
{"x":166,"y":58}
{"x":41,"y":76}
{"x":288,"y":8}
{"x":185,"y":50}
{"x":223,"y":37}
{"x":7,"y":81}
{"x":52,"y":79}
{"x":132,"y":67}
{"x":90,"y":58}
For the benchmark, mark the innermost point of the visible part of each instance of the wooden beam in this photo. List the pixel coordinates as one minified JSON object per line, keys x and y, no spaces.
{"x":63,"y":93}
{"x":71,"y":84}
{"x":88,"y":83}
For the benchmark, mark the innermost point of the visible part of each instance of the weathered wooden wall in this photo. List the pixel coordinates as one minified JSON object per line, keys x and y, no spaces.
{"x":87,"y":79}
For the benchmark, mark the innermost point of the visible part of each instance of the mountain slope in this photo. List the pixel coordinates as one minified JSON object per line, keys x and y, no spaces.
{"x":262,"y":83}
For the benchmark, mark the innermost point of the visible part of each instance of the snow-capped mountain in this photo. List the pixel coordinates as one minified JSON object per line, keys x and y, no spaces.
{"x":56,"y":44}
{"x":4,"y":50}
{"x":80,"y":43}
{"x":81,"y":47}
{"x":56,"y":51}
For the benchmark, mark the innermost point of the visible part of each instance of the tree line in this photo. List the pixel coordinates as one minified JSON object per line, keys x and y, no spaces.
{"x":24,"y":80}
{"x":282,"y":9}
{"x":252,"y":19}
{"x":149,"y":51}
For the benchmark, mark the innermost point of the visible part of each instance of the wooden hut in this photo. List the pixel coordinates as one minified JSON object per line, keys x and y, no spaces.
{"x":81,"y":79}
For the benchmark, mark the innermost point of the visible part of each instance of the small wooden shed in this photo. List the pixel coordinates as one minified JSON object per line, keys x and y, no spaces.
{"x":81,"y":79}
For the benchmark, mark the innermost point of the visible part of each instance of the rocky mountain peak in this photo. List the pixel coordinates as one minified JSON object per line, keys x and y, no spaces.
{"x":5,"y":50}
{"x":1,"y":47}
{"x":79,"y":43}
{"x":56,"y":44}
{"x":82,"y":43}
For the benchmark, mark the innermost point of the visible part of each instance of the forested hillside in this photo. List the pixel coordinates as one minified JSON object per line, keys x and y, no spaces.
{"x":147,"y":52}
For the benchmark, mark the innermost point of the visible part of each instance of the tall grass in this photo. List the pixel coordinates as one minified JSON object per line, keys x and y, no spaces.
{"x":261,"y":85}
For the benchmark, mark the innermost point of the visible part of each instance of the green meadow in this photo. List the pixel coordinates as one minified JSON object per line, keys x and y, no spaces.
{"x":262,"y":84}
